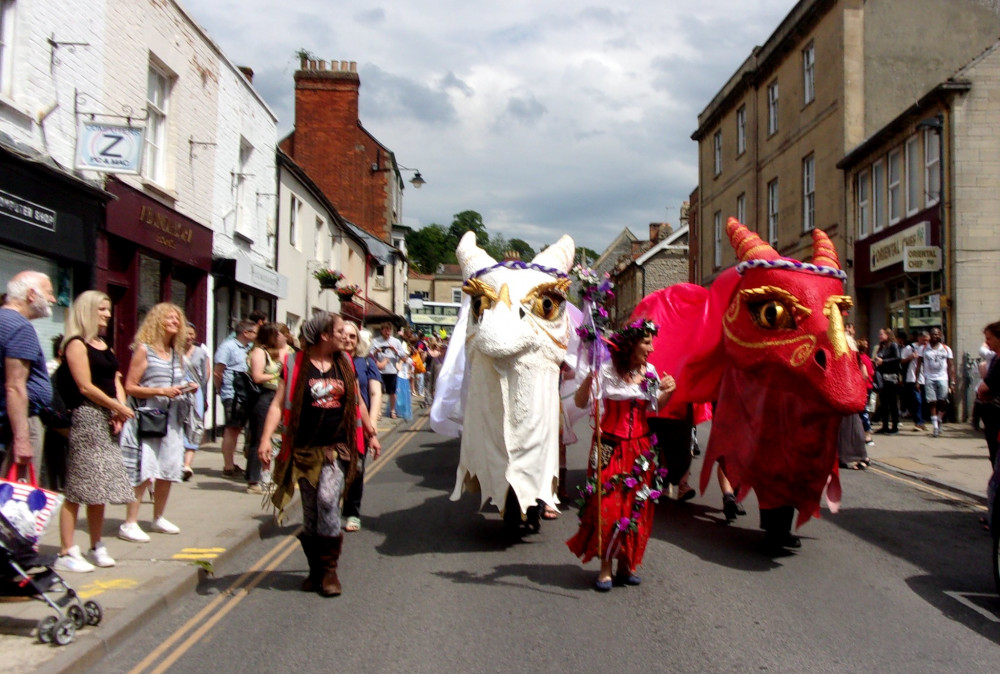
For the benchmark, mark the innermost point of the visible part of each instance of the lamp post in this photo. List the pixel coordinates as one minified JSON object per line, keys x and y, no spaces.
{"x":417,"y":180}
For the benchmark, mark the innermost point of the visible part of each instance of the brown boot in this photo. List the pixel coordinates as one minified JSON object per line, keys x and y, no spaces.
{"x":312,"y":580}
{"x":329,"y":555}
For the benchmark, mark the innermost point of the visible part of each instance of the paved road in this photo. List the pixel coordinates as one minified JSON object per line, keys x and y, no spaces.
{"x":898,"y":581}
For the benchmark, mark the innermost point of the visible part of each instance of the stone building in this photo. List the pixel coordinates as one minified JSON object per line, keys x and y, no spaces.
{"x":662,"y":263}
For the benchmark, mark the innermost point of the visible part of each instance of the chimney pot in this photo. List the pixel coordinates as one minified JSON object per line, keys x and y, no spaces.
{"x":303,"y":63}
{"x":247,"y":73}
{"x":322,"y":65}
{"x":354,"y":66}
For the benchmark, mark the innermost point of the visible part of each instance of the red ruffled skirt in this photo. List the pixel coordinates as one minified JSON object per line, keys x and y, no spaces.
{"x":627,"y":497}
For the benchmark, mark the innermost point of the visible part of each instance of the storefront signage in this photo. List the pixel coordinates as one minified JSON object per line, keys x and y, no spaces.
{"x":262,"y":278}
{"x":27,"y":211}
{"x":889,"y":250}
{"x":110,"y":148}
{"x":921,"y":258}
{"x":170,"y":231}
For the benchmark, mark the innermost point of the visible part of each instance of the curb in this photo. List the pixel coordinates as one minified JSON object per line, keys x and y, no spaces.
{"x":88,"y":652}
{"x":976,"y":497}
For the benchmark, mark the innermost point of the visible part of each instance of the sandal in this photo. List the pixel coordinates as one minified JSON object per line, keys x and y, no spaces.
{"x":550,"y":513}
{"x":352,"y":524}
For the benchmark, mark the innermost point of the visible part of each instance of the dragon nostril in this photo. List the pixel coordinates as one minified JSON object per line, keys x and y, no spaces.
{"x":521,"y":311}
{"x":821,"y":358}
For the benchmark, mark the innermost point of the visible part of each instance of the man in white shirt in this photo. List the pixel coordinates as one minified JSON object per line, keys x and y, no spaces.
{"x":388,"y":353}
{"x":938,"y":365}
{"x":910,"y":358}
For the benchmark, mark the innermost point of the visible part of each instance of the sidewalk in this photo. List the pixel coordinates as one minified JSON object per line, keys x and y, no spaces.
{"x":216,"y":517}
{"x":957,"y":461}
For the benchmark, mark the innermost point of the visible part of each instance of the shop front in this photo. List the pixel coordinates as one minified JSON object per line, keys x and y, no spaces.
{"x":48,"y":223}
{"x":242,"y":287}
{"x":899,"y":278}
{"x":149,"y":253}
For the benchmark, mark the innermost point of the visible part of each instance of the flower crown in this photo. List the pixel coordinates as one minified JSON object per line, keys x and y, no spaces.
{"x":634,"y":331}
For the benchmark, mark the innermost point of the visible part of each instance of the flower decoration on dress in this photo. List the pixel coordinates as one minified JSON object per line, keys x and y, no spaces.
{"x":328,"y":278}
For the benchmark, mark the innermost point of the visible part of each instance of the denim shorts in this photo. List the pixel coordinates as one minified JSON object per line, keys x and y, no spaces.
{"x":936,"y":390}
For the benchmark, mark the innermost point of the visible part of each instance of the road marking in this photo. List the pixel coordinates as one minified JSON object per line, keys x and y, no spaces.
{"x":241,"y":587}
{"x":962,"y":598}
{"x":200,"y":555}
{"x":98,"y":586}
{"x":951,"y":496}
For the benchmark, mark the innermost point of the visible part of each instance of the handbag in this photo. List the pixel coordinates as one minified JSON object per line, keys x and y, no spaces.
{"x":872,"y":403}
{"x":25,"y":510}
{"x":152,"y":422}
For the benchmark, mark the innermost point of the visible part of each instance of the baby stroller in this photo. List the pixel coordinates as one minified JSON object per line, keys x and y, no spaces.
{"x":25,"y":573}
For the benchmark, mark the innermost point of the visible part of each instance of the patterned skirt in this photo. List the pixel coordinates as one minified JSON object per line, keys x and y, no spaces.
{"x":95,"y":472}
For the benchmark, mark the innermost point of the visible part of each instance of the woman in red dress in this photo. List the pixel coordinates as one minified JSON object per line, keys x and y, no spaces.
{"x":628,"y":387}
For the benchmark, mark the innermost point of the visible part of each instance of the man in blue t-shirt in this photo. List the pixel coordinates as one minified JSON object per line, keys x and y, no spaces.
{"x":230,"y":358}
{"x":27,"y":388}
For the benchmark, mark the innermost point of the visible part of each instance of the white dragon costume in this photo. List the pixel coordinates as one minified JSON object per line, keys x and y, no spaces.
{"x":503,"y":390}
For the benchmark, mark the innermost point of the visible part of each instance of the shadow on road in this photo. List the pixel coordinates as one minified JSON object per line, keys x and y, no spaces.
{"x":562,"y":576}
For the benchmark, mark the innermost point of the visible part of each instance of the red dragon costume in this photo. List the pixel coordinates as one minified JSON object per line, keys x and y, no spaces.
{"x":766,"y":343}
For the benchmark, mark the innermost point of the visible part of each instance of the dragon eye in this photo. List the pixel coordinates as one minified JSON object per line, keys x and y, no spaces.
{"x":547,"y":307}
{"x":772,"y":315}
{"x":480,"y":303}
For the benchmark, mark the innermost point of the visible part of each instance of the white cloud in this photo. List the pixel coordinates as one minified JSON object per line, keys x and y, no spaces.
{"x":547,"y":117}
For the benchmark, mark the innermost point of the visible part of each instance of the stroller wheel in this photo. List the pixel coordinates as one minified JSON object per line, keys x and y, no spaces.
{"x":77,"y":615}
{"x":94,"y":612}
{"x":64,"y":631}
{"x":45,"y":628}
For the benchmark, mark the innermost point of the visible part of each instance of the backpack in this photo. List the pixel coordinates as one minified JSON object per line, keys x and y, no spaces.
{"x":418,"y":363}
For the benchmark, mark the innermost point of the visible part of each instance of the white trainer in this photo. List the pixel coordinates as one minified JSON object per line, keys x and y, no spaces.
{"x":130,"y":531}
{"x":164,"y":526}
{"x":98,"y":556}
{"x":73,"y":561}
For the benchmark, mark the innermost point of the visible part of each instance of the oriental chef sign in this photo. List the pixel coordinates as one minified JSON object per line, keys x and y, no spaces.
{"x":891,"y":250}
{"x":110,"y":148}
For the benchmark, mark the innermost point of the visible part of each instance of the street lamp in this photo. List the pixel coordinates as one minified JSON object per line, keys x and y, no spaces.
{"x":417,"y":180}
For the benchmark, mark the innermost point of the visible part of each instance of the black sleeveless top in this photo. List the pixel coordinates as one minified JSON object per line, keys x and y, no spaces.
{"x":103,"y":370}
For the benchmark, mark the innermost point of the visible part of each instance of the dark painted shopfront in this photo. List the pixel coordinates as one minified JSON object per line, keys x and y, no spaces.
{"x":150,"y":253}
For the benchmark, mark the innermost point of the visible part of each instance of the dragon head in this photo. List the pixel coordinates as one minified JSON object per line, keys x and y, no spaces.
{"x":784,"y":323}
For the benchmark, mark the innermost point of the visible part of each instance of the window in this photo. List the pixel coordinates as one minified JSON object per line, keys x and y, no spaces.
{"x":913,"y":200}
{"x":741,"y":208}
{"x":456,"y":295}
{"x":741,"y":131}
{"x":717,"y":145}
{"x":293,"y":222}
{"x":808,"y":74}
{"x":772,"y":212}
{"x":895,"y":196}
{"x":809,"y":193}
{"x":932,"y":165}
{"x":718,"y":239}
{"x":319,"y":249}
{"x":244,"y":213}
{"x":157,"y":103}
{"x":6,"y":43}
{"x":864,"y":204}
{"x":380,"y":276}
{"x":878,"y":196}
{"x":772,"y":108}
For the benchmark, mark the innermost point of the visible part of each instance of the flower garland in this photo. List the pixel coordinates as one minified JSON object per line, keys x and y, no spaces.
{"x":634,"y":331}
{"x":629,"y":482}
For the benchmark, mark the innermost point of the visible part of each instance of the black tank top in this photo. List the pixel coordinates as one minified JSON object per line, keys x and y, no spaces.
{"x":103,"y":370}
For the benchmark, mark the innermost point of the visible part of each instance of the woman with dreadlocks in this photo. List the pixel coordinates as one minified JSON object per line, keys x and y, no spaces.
{"x":615,"y":522}
{"x":326,"y":424}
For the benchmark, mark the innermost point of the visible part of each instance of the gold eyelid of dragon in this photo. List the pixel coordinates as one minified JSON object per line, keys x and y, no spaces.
{"x":774,"y":308}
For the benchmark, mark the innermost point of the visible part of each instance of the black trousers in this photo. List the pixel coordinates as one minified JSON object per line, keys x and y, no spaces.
{"x":673,"y":443}
{"x":889,"y":405}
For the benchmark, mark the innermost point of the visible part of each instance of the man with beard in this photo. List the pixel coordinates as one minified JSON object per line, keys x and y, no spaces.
{"x":27,"y":388}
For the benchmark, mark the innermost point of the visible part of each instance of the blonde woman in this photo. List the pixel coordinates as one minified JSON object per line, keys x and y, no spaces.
{"x":90,"y":385}
{"x":359,"y":344}
{"x":156,"y":379}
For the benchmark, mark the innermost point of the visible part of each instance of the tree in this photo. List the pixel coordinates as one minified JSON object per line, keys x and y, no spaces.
{"x":585,"y":253}
{"x":497,"y":246}
{"x":523,"y":248}
{"x":429,"y":247}
{"x":467,"y":221}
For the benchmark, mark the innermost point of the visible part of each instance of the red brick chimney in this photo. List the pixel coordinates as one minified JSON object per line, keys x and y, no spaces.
{"x":348,"y":164}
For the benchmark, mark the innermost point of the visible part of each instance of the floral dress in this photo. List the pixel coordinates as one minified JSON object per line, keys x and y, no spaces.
{"x":630,"y":478}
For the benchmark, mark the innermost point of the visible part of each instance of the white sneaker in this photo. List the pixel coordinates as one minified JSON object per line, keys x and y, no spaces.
{"x":130,"y":531}
{"x":98,"y":556}
{"x":164,"y":526}
{"x":73,"y":561}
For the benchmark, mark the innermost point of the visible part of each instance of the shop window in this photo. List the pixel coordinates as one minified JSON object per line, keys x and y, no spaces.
{"x":717,"y":220}
{"x":772,"y":108}
{"x":741,"y":208}
{"x":179,"y":293}
{"x":772,"y":212}
{"x":913,"y":200}
{"x":150,"y":286}
{"x":864,"y":204}
{"x":809,"y":193}
{"x":717,"y":152}
{"x":878,"y":196}
{"x":157,"y":106}
{"x":6,"y":46}
{"x":808,"y":74}
{"x":932,"y":165}
{"x":741,"y":131}
{"x":895,"y":189}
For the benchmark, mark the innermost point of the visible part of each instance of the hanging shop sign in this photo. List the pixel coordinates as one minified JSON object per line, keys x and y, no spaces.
{"x":15,"y":207}
{"x":110,"y":148}
{"x":921,"y":258}
{"x":889,"y":251}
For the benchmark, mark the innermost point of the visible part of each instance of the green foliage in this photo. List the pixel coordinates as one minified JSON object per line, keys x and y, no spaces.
{"x":304,"y":53}
{"x":429,"y":247}
{"x":469,"y":221}
{"x":584,"y":252}
{"x":522,"y":247}
{"x":497,"y":246}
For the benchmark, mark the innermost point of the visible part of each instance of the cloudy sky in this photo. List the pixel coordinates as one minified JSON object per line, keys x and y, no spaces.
{"x":547,"y":117}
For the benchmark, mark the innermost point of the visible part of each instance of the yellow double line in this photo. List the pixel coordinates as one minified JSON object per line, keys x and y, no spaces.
{"x":209,"y":616}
